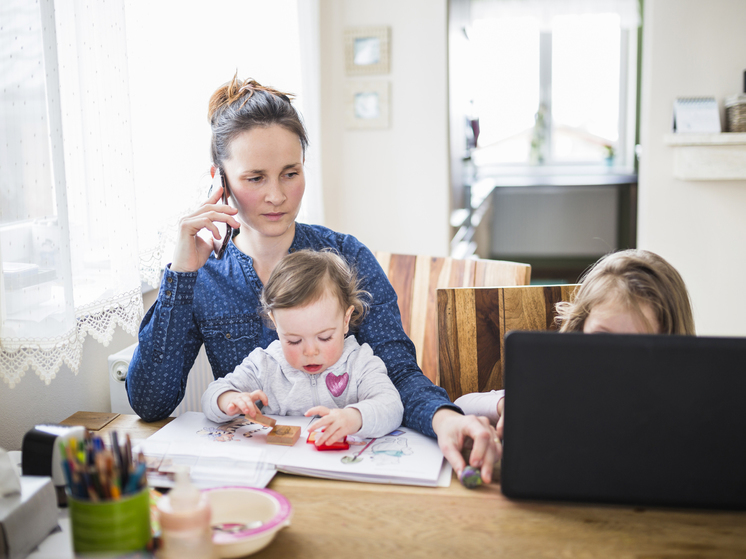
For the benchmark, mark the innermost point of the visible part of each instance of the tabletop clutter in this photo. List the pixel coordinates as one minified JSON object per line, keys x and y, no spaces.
{"x":112,"y":510}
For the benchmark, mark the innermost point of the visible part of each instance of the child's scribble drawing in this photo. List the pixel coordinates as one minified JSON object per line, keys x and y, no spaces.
{"x":388,"y":450}
{"x":227,"y":432}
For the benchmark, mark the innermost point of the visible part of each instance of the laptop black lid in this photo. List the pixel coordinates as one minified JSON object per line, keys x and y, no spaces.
{"x":637,"y":419}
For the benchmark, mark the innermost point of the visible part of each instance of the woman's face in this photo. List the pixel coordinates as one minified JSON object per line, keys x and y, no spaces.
{"x":265,"y":178}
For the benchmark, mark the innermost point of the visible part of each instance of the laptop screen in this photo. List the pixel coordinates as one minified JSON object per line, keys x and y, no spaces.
{"x":638,"y":419}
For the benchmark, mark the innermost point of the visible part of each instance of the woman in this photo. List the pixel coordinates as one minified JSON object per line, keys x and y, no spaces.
{"x":258,"y":144}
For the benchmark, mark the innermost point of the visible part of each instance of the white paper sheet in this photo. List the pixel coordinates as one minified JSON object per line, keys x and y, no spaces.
{"x":402,"y":457}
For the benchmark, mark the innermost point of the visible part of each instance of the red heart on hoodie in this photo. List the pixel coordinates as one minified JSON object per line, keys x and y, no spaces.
{"x":337,"y":384}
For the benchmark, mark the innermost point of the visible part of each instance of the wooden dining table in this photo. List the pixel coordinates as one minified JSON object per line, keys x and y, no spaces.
{"x":340,"y":519}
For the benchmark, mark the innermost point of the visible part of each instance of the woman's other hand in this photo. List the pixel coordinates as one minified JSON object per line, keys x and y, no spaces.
{"x":192,"y":251}
{"x":501,"y":420}
{"x":454,"y":429}
{"x":337,"y":423}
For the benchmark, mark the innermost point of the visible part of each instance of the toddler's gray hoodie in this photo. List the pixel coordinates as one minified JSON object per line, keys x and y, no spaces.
{"x":367,"y":387}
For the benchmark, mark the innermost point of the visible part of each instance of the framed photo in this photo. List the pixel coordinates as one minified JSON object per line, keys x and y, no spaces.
{"x":367,"y":50}
{"x":367,"y":104}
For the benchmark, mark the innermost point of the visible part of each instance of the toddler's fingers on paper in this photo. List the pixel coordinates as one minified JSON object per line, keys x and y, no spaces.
{"x":247,"y":405}
{"x":259,"y":395}
{"x":317,"y":410}
{"x":318,"y":424}
{"x":331,"y":435}
{"x":327,"y":422}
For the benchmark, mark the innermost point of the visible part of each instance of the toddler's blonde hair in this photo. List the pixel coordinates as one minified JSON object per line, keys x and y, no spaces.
{"x":633,"y":278}
{"x":305,"y":276}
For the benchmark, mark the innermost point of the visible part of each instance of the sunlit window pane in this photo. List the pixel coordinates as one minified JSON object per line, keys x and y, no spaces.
{"x":585,"y":86}
{"x":506,"y":94}
{"x":25,"y":164}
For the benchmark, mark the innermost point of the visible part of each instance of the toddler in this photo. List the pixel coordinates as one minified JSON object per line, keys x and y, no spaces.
{"x":627,"y":292}
{"x":312,"y":299}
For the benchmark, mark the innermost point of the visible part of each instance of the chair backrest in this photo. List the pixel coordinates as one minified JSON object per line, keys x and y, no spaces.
{"x":472,"y":324}
{"x":416,"y":280}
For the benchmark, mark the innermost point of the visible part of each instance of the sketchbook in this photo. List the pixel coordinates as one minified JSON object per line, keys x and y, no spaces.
{"x":237,"y":453}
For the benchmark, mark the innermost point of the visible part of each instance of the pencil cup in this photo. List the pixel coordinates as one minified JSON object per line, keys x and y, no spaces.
{"x":111,"y":526}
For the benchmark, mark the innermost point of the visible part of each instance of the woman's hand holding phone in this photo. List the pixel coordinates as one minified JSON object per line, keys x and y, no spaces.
{"x":192,"y":251}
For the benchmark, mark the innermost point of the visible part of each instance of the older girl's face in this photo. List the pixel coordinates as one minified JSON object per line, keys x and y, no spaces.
{"x":613,"y":317}
{"x":266,"y":180}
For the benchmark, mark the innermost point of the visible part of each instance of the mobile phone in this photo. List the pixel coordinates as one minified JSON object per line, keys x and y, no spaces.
{"x":220,"y":246}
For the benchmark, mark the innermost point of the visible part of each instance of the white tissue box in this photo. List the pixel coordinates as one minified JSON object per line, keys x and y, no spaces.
{"x":28,"y":518}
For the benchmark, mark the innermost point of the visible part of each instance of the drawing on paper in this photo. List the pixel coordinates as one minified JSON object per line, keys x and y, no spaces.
{"x":386,"y":450}
{"x":389,"y":450}
{"x":229,"y":431}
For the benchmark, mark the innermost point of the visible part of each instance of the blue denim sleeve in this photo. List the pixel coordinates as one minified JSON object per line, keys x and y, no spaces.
{"x":382,"y":330}
{"x":168,"y":345}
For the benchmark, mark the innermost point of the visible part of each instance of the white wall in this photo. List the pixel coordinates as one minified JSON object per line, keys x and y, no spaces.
{"x":389,"y":187}
{"x":693,"y":48}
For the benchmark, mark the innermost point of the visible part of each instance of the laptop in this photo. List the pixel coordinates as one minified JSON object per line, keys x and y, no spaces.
{"x":631,"y":419}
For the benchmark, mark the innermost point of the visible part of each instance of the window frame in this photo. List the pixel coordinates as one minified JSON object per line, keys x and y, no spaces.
{"x":624,"y":158}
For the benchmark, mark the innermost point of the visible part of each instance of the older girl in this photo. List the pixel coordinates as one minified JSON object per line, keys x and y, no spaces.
{"x":627,"y":292}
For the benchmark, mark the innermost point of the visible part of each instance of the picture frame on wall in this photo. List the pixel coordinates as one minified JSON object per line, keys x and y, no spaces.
{"x":367,"y":105}
{"x":367,"y":50}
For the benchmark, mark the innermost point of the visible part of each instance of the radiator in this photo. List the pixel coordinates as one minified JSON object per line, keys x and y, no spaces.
{"x":199,"y":377}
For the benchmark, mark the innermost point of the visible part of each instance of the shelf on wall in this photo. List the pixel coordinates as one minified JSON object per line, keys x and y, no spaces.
{"x":701,"y":157}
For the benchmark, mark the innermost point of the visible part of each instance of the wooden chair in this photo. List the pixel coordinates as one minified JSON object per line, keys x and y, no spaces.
{"x":416,"y":279}
{"x":472,"y":324}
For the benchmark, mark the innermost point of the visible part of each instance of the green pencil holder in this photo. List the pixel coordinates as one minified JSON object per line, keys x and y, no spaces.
{"x":110,"y":526}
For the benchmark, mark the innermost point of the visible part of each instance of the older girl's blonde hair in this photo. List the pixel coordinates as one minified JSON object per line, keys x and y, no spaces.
{"x":305,"y":276}
{"x":633,"y":278}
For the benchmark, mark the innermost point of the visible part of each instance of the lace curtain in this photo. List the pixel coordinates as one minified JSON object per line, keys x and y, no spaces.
{"x":68,"y":235}
{"x":69,"y":229}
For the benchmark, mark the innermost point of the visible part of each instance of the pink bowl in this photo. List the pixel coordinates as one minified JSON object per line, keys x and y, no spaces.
{"x":252,"y":517}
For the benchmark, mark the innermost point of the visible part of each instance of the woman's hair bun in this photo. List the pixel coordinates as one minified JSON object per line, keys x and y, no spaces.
{"x":241,"y":105}
{"x":227,"y":94}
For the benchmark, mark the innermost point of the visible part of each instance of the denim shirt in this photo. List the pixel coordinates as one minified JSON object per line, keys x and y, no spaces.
{"x":218,"y":306}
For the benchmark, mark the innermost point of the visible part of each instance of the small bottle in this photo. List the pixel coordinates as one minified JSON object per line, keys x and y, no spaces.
{"x":184,"y":515}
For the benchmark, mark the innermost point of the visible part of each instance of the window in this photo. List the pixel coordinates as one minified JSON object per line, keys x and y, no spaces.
{"x":551,"y":83}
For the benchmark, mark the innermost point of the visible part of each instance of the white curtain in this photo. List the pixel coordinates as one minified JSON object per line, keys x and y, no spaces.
{"x":546,"y":10}
{"x":312,"y":210}
{"x":68,"y":239}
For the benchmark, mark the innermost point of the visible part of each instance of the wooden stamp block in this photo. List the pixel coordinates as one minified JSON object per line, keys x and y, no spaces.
{"x":262,"y":420}
{"x":284,"y":434}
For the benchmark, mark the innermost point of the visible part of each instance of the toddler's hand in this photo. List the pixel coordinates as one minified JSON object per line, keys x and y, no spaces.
{"x":337,"y":423}
{"x":233,"y":403}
